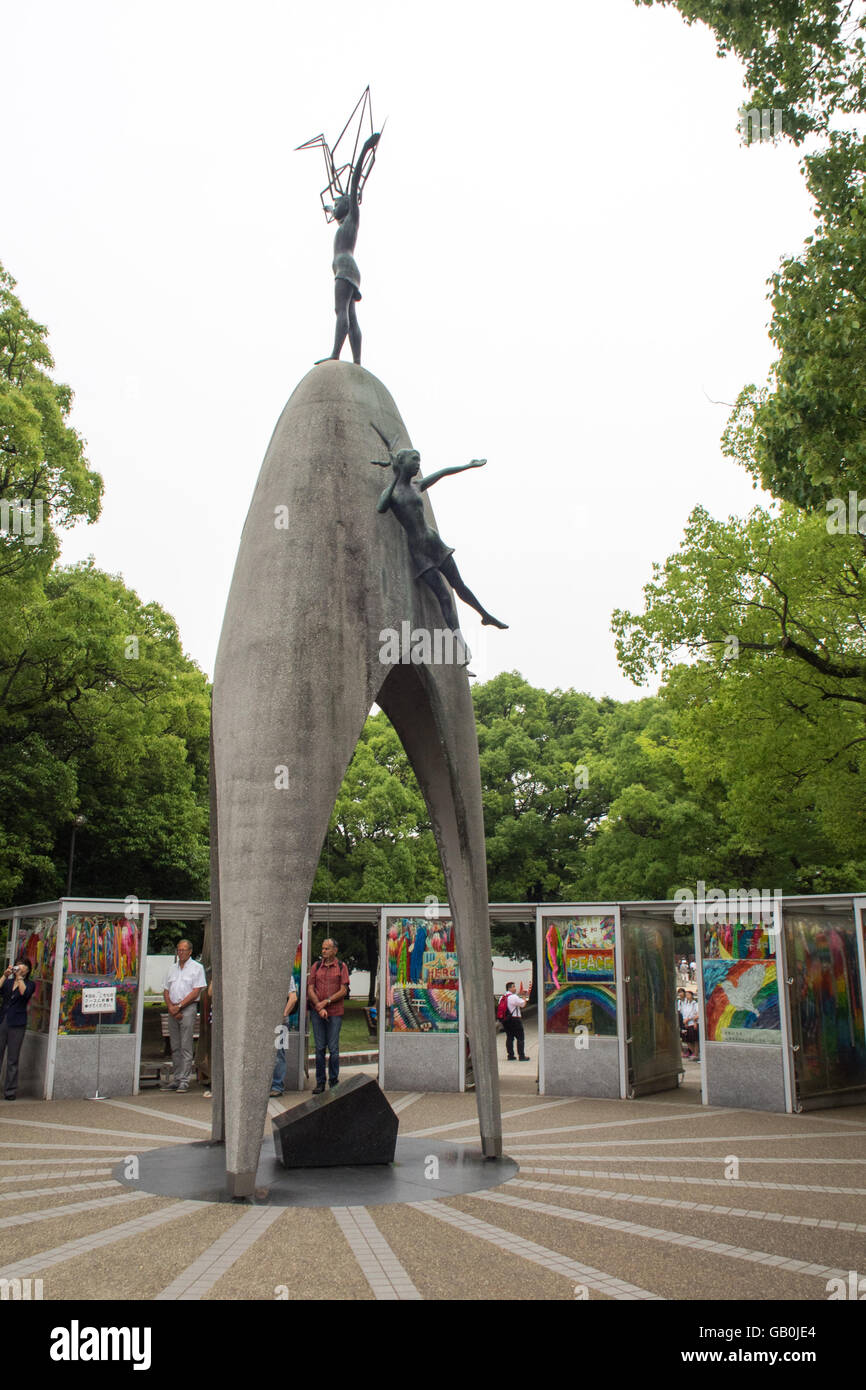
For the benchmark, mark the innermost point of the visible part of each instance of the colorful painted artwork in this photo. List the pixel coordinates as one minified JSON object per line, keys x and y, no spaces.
{"x":74,"y":1020}
{"x":827,"y":1008}
{"x":738,"y":941}
{"x":654,"y":1050}
{"x":100,"y":949}
{"x":293,"y":1022}
{"x":423,"y":984}
{"x":102,"y":945}
{"x":579,"y":975}
{"x":741,"y":995}
{"x":37,"y":940}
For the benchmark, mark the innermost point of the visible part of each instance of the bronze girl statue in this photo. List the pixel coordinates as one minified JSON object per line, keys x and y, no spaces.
{"x":431,"y":557}
{"x":347,"y":277}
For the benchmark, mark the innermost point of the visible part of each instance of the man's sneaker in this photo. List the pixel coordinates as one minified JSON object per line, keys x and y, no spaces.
{"x":317,"y":1090}
{"x":275,"y":1092}
{"x":173,"y":1086}
{"x":333,"y":1084}
{"x":182,"y":1088}
{"x":524,"y":1059}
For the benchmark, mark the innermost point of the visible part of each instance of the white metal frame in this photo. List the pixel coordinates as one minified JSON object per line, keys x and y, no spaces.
{"x":699,"y":981}
{"x":302,"y":999}
{"x":785,"y":981}
{"x":860,"y":932}
{"x":25,"y":914}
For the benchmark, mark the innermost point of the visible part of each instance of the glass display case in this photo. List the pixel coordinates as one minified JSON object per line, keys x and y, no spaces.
{"x":581,"y":1036}
{"x":421,"y":1037}
{"x":37,"y":940}
{"x":826,"y":1004}
{"x":654,"y":1052}
{"x":99,"y":949}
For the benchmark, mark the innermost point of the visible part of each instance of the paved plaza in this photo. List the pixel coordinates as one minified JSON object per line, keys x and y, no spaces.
{"x":631,"y":1200}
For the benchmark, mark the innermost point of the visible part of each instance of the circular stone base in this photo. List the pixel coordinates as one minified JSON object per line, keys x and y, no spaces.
{"x":422,"y":1171}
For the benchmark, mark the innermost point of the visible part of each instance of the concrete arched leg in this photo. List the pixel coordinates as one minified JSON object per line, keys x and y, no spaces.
{"x":320,"y":579}
{"x":436,"y":725}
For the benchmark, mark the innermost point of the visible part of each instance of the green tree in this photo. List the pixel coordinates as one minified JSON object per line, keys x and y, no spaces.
{"x":100,"y":711}
{"x":657,"y":835}
{"x":42,"y":462}
{"x":540,"y":802}
{"x":101,"y":714}
{"x":803,"y":57}
{"x":803,"y":434}
{"x":380,"y":847}
{"x":770,"y":612}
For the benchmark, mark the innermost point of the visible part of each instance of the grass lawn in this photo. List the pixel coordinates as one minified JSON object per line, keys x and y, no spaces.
{"x":353,"y":1034}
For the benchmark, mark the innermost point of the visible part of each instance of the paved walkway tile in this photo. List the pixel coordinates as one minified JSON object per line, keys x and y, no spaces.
{"x":613,"y":1201}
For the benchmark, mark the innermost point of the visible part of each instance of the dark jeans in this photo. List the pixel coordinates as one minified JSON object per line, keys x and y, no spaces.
{"x":10,"y":1043}
{"x":326,"y":1032}
{"x":514,"y":1034}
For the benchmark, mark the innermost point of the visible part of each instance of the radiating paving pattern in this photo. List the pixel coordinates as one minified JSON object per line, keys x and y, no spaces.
{"x":536,"y":1254}
{"x":200,"y":1277}
{"x":651,"y":1199}
{"x":381,"y":1268}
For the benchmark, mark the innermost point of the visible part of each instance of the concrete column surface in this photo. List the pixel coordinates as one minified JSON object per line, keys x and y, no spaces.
{"x":319,"y":577}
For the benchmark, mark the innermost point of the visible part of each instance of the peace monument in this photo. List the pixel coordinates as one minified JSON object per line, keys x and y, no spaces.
{"x":326,"y":563}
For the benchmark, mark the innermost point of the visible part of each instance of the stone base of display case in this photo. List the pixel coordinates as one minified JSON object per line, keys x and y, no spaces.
{"x":76,"y":1061}
{"x":420,"y":1062}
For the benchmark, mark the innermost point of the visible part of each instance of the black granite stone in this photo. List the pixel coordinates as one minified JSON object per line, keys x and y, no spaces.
{"x":350,"y":1125}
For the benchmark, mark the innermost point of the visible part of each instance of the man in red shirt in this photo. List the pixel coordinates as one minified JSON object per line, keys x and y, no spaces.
{"x":327,"y":987}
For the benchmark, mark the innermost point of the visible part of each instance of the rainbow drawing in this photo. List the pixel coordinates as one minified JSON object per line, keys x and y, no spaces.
{"x":579,"y":975}
{"x":741,"y":995}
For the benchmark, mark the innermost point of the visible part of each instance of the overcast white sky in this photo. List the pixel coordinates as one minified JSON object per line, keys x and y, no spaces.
{"x":564,"y":251}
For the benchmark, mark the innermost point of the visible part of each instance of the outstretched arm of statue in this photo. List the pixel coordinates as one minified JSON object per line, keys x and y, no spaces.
{"x":445,"y":472}
{"x":369,"y":144}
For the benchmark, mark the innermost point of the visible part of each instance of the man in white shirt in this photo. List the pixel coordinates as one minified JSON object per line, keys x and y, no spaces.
{"x":513,"y":1023}
{"x":183,"y":985}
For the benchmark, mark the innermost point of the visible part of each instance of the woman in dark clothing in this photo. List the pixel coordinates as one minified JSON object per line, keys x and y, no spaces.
{"x":16,"y":990}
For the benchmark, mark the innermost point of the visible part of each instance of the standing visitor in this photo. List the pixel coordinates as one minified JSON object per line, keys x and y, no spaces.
{"x":327,"y":987}
{"x":183,"y":985}
{"x":278,"y":1080}
{"x":513,"y":1022}
{"x":16,"y":992}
